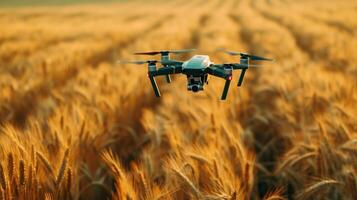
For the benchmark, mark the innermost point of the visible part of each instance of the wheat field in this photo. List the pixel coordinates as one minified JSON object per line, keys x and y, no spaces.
{"x":76,"y":125}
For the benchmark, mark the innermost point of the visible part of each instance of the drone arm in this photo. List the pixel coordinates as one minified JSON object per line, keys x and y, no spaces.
{"x":167,"y":70}
{"x":176,"y":65}
{"x":243,"y":67}
{"x":239,"y":66}
{"x":164,"y":71}
{"x":225,"y":73}
{"x":216,"y":70}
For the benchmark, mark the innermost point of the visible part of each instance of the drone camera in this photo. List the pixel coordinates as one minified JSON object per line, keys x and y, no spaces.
{"x":194,"y":87}
{"x":195,"y":84}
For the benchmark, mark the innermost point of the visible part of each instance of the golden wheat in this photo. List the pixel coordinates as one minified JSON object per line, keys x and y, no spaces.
{"x":75,"y":125}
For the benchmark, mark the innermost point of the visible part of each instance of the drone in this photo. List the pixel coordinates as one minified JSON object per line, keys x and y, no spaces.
{"x":197,"y":68}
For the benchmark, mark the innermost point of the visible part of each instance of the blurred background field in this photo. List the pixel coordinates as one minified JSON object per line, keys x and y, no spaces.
{"x":76,"y":125}
{"x":22,"y":3}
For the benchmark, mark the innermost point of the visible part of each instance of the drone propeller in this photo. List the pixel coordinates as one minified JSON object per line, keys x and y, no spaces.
{"x":165,"y":51}
{"x":240,"y":64}
{"x":246,"y":55}
{"x":138,"y":62}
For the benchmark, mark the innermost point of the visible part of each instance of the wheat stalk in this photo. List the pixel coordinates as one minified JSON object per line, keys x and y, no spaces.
{"x":48,"y":196}
{"x":316,"y":187}
{"x":10,"y":165}
{"x":2,"y":194}
{"x":199,"y":158}
{"x":30,"y":176}
{"x":22,"y":171}
{"x":46,"y":163}
{"x":276,"y":194}
{"x":74,"y":106}
{"x":143,"y":180}
{"x":69,"y":180}
{"x":302,"y":157}
{"x":187,"y":181}
{"x":111,"y":160}
{"x":2,"y":177}
{"x":63,"y":167}
{"x":275,"y":197}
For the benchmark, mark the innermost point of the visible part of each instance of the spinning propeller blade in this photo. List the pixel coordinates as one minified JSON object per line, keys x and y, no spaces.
{"x":165,"y":51}
{"x":243,"y":65}
{"x":252,"y":57}
{"x":141,"y":62}
{"x":137,"y":62}
{"x":147,"y":53}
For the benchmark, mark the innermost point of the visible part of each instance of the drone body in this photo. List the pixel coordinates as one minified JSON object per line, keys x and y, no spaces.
{"x":197,"y":69}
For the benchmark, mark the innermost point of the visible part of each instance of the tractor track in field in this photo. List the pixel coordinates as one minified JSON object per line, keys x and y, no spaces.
{"x":25,"y":103}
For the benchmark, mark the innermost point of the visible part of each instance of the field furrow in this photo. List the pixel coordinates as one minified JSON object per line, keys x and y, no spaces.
{"x":341,"y":19}
{"x":320,"y":41}
{"x":56,"y":77}
{"x":270,"y":118}
{"x":338,"y":25}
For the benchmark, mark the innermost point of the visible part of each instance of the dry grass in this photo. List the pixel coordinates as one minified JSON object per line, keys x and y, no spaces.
{"x":74,"y":125}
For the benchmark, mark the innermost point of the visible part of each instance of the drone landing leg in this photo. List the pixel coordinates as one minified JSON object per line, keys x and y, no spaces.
{"x":240,"y":81}
{"x":168,"y":78}
{"x":154,"y":86}
{"x":225,"y":90}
